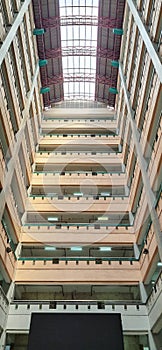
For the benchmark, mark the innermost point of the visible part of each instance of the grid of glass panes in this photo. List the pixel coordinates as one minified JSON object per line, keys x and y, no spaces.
{"x":79,"y":42}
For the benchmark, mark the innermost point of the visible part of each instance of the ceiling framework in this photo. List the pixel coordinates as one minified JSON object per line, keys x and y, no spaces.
{"x":50,"y":42}
{"x":108,"y":48}
{"x":79,"y":45}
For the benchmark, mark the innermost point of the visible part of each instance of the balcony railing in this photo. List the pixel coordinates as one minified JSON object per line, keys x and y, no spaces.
{"x":97,"y":260}
{"x":78,"y":225}
{"x":82,"y":152}
{"x":53,"y":304}
{"x":113,"y":196}
{"x":73,"y":172}
{"x":106,"y":119}
{"x":90,"y":134}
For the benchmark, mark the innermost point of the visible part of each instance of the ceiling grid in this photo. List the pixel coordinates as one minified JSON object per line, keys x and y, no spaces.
{"x":79,"y":44}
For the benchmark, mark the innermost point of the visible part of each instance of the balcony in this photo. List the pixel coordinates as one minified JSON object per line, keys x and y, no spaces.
{"x":134,"y":315}
{"x":79,"y":204}
{"x":54,"y":271}
{"x":77,"y":142}
{"x":74,"y":234}
{"x":78,"y":127}
{"x":56,"y":181}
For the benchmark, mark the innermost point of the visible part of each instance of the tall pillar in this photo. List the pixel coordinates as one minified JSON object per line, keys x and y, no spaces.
{"x":10,"y":293}
{"x":2,"y":340}
{"x":151,"y":341}
{"x":136,"y":250}
{"x":143,"y":292}
{"x":146,"y":38}
{"x":143,"y":167}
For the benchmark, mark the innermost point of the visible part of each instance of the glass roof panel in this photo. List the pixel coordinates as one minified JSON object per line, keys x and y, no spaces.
{"x":79,"y":20}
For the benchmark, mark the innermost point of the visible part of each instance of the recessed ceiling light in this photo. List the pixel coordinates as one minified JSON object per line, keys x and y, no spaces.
{"x":52,"y":194}
{"x":103,"y":218}
{"x":76,"y":249}
{"x":78,"y":194}
{"x":159,"y":264}
{"x":52,"y":218}
{"x":50,"y":248}
{"x":105,"y":249}
{"x":105,"y":194}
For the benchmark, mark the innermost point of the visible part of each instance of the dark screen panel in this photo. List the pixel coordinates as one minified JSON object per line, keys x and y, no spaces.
{"x":69,"y":331}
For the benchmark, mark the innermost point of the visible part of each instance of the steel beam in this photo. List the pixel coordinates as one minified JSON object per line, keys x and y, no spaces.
{"x":69,"y":78}
{"x":79,"y":51}
{"x":38,"y":13}
{"x":106,"y":22}
{"x":110,"y":80}
{"x":143,"y":167}
{"x":109,"y":53}
{"x":145,"y":36}
{"x":53,"y":53}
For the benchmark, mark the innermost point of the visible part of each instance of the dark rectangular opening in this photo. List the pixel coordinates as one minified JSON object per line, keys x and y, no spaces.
{"x":62,"y":331}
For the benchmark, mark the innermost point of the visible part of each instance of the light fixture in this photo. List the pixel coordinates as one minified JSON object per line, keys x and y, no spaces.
{"x":8,"y":250}
{"x":105,"y":249}
{"x":145,"y":251}
{"x":76,"y":249}
{"x":53,"y":218}
{"x":105,"y":194}
{"x":78,"y":194}
{"x":49,"y":248}
{"x":159,"y":264}
{"x":52,"y":194}
{"x":103,"y":218}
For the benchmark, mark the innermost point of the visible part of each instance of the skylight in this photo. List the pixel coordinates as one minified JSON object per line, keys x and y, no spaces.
{"x":79,"y":20}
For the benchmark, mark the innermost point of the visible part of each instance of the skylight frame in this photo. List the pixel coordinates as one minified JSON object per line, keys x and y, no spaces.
{"x":79,"y":19}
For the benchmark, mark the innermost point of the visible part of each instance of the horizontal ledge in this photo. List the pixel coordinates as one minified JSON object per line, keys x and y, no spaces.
{"x":76,"y":225}
{"x":76,"y":302}
{"x":71,"y":196}
{"x":96,"y":259}
{"x":77,"y":173}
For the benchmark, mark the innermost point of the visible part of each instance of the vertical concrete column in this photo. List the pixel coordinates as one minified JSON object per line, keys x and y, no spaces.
{"x":136,"y":250}
{"x":10,"y":293}
{"x":146,"y":38}
{"x":11,"y":34}
{"x":143,"y":292}
{"x":20,"y":136}
{"x":18,"y":250}
{"x":143,"y":166}
{"x":2,"y":340}
{"x":151,"y":341}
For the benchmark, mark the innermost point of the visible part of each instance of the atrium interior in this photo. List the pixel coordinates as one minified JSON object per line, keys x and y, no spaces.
{"x":80,"y":164}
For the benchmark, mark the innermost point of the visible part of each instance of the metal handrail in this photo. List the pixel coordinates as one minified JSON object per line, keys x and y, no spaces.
{"x":78,"y":302}
{"x":67,"y":134}
{"x":88,"y":196}
{"x":59,"y":151}
{"x":78,"y":172}
{"x":98,"y":260}
{"x":77,"y":224}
